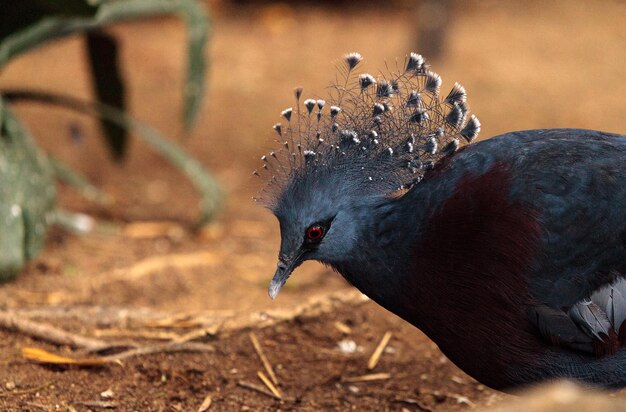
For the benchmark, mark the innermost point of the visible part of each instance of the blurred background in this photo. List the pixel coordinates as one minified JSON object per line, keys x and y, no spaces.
{"x":525,"y":65}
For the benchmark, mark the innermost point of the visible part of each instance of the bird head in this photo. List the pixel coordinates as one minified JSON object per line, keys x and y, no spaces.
{"x":338,"y":161}
{"x":321,"y":218}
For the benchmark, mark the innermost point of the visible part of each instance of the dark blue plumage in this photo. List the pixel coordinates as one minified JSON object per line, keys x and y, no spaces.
{"x":509,"y":253}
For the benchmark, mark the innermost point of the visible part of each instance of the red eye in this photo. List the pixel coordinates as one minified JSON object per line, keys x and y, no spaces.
{"x":315,"y":233}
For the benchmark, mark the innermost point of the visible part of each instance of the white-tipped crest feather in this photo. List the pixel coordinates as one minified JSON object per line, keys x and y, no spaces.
{"x":391,"y":127}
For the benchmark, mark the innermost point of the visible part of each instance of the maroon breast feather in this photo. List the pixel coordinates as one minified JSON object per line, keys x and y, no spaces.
{"x":470,"y":269}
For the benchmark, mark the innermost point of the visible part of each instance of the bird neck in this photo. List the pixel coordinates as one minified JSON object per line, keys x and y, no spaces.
{"x":390,"y":227}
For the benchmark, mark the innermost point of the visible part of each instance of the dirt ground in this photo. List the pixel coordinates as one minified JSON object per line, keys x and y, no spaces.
{"x":525,"y":65}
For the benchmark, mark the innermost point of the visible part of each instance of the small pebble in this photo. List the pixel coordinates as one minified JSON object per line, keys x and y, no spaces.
{"x":347,"y":346}
{"x":458,"y":380}
{"x":390,"y":350}
{"x":10,"y":385}
{"x":439,"y":397}
{"x":463,"y":400}
{"x":491,"y":400}
{"x":108,"y":394}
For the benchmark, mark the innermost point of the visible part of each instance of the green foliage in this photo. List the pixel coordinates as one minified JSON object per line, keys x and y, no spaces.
{"x":18,"y":15}
{"x":103,"y":60}
{"x":27,"y":176}
{"x":35,"y":22}
{"x":204,"y":183}
{"x":27,"y":194}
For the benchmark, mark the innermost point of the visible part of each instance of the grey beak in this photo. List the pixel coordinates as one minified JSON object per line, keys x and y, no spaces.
{"x":283,"y":271}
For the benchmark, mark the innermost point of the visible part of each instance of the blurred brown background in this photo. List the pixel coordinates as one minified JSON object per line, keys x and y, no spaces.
{"x":526,"y":65}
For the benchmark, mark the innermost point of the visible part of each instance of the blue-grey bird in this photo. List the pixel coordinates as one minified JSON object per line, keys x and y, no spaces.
{"x":509,"y":253}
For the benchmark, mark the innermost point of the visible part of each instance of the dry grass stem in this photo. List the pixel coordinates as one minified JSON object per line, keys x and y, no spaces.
{"x":212,"y":318}
{"x":167,"y":347}
{"x":42,"y":356}
{"x":269,"y":384}
{"x":206,"y":404}
{"x":100,"y":404}
{"x":198,"y":334}
{"x":227,"y":320}
{"x":141,"y":334}
{"x":51,"y":334}
{"x":257,"y":388}
{"x":266,"y":363}
{"x":342,"y":327}
{"x":26,"y":390}
{"x":367,"y":378}
{"x":371,"y":364}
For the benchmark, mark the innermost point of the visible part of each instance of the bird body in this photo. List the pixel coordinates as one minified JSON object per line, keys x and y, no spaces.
{"x":500,"y":227}
{"x":509,"y":253}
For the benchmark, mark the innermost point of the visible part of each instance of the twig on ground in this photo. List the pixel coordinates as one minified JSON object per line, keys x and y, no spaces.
{"x":142,"y":334}
{"x":461,"y":399}
{"x":37,"y":405}
{"x":166,"y":347}
{"x":269,"y":384}
{"x":257,"y":388}
{"x":342,"y":327}
{"x":371,"y":364}
{"x":51,"y":334}
{"x":367,"y":378}
{"x":211,"y":321}
{"x":99,"y":315}
{"x":198,"y":334}
{"x":228,"y":320}
{"x":206,"y":404}
{"x":420,"y":405}
{"x":266,"y":364}
{"x":26,"y":390}
{"x":100,"y":404}
{"x":42,"y":356}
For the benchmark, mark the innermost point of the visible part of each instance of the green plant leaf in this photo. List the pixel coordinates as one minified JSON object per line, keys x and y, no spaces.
{"x":71,"y":177}
{"x":1,"y":116}
{"x":198,"y":28}
{"x":39,"y":33}
{"x":27,"y":194}
{"x":51,"y":26}
{"x":103,"y":56}
{"x":85,"y":8}
{"x":18,"y":15}
{"x":205,"y":184}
